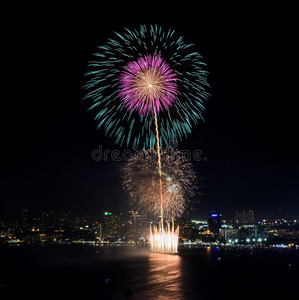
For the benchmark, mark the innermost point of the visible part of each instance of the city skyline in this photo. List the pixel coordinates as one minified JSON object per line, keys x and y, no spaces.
{"x":35,"y":216}
{"x":132,"y":228}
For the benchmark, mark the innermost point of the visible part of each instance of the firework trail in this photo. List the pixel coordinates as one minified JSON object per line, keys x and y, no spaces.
{"x":143,"y":182}
{"x":143,"y":74}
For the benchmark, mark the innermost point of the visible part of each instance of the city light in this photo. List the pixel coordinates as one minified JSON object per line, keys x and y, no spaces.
{"x":214,"y":215}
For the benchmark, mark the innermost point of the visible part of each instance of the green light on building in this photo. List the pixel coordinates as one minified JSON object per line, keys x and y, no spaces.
{"x":107,"y":213}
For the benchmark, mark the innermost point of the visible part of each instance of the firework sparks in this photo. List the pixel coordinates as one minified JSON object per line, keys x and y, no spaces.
{"x":144,"y":184}
{"x":164,"y":240}
{"x":148,"y":85}
{"x":141,"y":71}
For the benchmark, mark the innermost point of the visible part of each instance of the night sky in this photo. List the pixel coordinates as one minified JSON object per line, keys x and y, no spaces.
{"x":249,"y":138}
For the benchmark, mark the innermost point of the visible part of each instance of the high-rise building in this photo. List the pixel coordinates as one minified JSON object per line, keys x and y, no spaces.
{"x":185,"y":227}
{"x":136,"y":228}
{"x":82,"y":222}
{"x":214,"y":221}
{"x":49,"y":220}
{"x":100,"y":230}
{"x":244,"y":217}
{"x":112,"y":229}
{"x":64,"y":220}
{"x":24,"y":217}
{"x":238,"y":217}
{"x":249,"y":217}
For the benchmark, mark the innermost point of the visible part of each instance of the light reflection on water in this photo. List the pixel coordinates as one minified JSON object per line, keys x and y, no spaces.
{"x":171,"y":276}
{"x":162,"y":278}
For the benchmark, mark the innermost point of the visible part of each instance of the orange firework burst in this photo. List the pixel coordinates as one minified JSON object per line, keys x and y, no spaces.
{"x":143,"y":181}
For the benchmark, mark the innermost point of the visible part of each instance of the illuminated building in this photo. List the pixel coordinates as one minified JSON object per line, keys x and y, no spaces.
{"x":261,"y":231}
{"x":232,"y":233}
{"x":64,"y":220}
{"x":289,"y":233}
{"x":198,"y":229}
{"x":245,"y":234}
{"x":112,"y":228}
{"x":82,"y":222}
{"x":136,"y":226}
{"x":214,"y":221}
{"x":185,"y":227}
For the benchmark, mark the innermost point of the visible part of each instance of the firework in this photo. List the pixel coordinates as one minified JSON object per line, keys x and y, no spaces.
{"x":164,"y":240}
{"x":143,"y":182}
{"x":148,"y":85}
{"x":142,"y":73}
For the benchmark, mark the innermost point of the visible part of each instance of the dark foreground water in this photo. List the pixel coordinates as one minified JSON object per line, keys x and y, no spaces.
{"x":82,"y":272}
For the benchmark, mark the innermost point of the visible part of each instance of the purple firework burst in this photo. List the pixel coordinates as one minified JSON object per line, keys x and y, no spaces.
{"x":148,"y":85}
